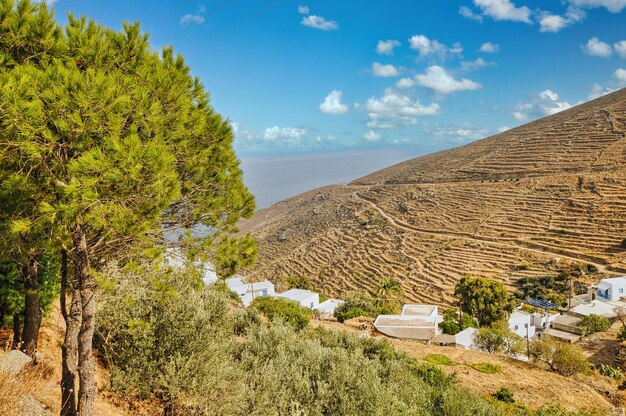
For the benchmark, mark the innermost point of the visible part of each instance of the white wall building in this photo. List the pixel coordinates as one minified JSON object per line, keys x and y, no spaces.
{"x":249,"y":291}
{"x":328,"y":307}
{"x":415,"y":322}
{"x":611,"y":289}
{"x":305,"y":298}
{"x":521,"y":323}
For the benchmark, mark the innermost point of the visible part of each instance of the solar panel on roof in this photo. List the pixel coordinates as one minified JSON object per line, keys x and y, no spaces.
{"x":541,"y":303}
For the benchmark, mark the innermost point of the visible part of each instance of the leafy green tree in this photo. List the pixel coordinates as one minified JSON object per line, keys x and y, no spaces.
{"x":389,"y":293}
{"x":484,"y":299}
{"x":593,"y":323}
{"x":120,"y":154}
{"x":563,"y":358}
{"x":498,"y":339}
{"x":299,"y":282}
{"x":453,"y":323}
{"x":283,"y":309}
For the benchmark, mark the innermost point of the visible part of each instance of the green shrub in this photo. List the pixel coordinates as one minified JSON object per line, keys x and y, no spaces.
{"x":439,"y":359}
{"x":593,"y":323}
{"x":609,"y":371}
{"x":222,"y":287}
{"x":565,"y":359}
{"x":504,"y":395}
{"x":165,"y":338}
{"x":283,"y":309}
{"x":622,"y":333}
{"x":498,"y":339}
{"x":488,"y":368}
{"x":299,"y":282}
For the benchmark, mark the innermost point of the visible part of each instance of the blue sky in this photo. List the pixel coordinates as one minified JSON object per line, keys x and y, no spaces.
{"x":327,"y":76}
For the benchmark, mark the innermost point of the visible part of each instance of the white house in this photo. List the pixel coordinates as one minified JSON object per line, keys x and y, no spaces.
{"x":596,"y":307}
{"x":305,"y":298}
{"x":249,"y":291}
{"x":415,"y":322}
{"x":328,"y":307}
{"x":521,"y":323}
{"x":611,"y":289}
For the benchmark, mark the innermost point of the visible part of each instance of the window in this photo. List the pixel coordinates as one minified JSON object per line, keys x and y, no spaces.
{"x":264,"y":293}
{"x":311,"y":305}
{"x":525,"y":325}
{"x":516,"y":327}
{"x":621,"y":290}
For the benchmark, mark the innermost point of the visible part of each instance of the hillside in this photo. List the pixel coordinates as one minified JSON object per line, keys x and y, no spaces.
{"x":502,"y":207}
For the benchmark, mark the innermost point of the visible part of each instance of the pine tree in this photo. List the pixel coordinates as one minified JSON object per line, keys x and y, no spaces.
{"x":122,"y":153}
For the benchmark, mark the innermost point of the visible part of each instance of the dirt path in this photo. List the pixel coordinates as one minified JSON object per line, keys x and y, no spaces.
{"x":468,"y":237}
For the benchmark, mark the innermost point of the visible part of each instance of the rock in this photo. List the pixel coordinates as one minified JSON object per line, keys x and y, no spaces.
{"x":284,"y":236}
{"x":14,"y":361}
{"x":32,"y":407}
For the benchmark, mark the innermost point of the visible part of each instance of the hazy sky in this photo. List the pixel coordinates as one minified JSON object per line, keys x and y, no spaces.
{"x":324,"y":76}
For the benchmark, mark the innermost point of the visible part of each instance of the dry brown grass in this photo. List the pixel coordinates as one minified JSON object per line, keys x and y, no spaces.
{"x":481,"y":209}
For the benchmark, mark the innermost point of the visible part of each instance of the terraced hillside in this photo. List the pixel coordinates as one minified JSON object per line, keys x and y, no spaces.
{"x":502,"y":207}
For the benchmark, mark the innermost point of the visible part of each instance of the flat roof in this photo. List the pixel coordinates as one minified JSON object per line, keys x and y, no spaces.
{"x":297,"y":294}
{"x":418,"y":310}
{"x":595,"y":307}
{"x":402,"y":322}
{"x":568,"y":320}
{"x":561,"y":334}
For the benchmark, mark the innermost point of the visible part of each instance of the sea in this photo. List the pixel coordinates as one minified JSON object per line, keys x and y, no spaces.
{"x":274,"y":178}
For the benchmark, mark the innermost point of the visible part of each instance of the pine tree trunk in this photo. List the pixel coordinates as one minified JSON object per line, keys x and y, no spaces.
{"x":32,"y":310}
{"x":86,"y":364}
{"x":69,"y":349}
{"x":17,"y":338}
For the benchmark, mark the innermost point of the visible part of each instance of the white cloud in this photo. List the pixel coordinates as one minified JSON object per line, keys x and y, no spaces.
{"x":614,"y":6}
{"x":433,"y":48}
{"x":475,"y":64}
{"x":405,"y":83}
{"x":553,"y":23}
{"x":457,"y":133}
{"x":386,"y":47}
{"x":489,"y":47}
{"x":467,"y":13}
{"x":332,"y":104}
{"x":318,"y":22}
{"x":596,"y":47}
{"x":620,"y":74}
{"x":439,"y":80}
{"x":504,"y":10}
{"x":191,"y":18}
{"x":49,"y":3}
{"x":303,"y":9}
{"x":620,"y":48}
{"x":598,"y":90}
{"x":546,"y":103}
{"x":503,"y":129}
{"x":287,"y":135}
{"x":381,"y":70}
{"x":393,"y":108}
{"x":371,"y":136}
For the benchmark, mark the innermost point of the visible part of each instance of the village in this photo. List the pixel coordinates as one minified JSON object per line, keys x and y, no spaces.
{"x":531,"y":319}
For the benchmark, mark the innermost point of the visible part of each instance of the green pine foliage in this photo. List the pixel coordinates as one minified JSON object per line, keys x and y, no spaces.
{"x":484,"y":299}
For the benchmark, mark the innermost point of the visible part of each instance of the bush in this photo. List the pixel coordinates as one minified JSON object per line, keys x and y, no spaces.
{"x":283,"y":309}
{"x":360,"y":303}
{"x":609,"y":371}
{"x":439,"y":359}
{"x":565,"y":359}
{"x":504,"y":395}
{"x":299,"y":282}
{"x":593,"y":323}
{"x":622,"y":333}
{"x":165,"y":337}
{"x":488,"y":368}
{"x":498,"y":339}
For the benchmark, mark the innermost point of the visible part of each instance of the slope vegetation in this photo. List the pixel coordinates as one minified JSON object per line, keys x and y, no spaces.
{"x":503,"y":207}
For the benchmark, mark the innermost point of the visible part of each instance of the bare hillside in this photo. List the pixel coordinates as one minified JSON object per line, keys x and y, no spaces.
{"x":502,"y":207}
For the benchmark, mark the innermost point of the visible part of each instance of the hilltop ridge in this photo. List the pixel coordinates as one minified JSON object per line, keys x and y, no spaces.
{"x":502,"y":207}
